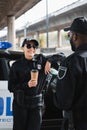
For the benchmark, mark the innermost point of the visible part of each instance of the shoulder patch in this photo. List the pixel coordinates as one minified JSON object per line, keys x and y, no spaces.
{"x":39,"y":66}
{"x":62,"y":72}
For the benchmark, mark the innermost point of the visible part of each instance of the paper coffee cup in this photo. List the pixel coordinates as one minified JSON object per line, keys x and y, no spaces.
{"x":34,"y":74}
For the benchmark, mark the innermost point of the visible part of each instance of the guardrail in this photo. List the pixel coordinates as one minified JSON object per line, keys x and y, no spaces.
{"x":48,"y":50}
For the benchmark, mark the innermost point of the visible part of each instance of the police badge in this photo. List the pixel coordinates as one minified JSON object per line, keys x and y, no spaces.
{"x":39,"y":66}
{"x":61,"y":72}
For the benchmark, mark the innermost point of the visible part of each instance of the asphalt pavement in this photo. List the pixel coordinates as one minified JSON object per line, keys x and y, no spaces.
{"x":50,"y":51}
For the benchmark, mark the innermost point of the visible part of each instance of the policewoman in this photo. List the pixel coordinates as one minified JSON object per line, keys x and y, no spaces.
{"x":71,"y":90}
{"x":28,"y":102}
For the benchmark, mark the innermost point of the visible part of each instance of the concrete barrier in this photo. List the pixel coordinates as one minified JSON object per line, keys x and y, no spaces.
{"x":48,"y":50}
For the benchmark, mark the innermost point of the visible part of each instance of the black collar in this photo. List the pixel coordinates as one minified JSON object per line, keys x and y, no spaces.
{"x":82,"y":47}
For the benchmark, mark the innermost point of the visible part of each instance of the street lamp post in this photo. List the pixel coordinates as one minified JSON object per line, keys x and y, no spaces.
{"x":25,"y":29}
{"x":25,"y":34}
{"x":47,"y":24}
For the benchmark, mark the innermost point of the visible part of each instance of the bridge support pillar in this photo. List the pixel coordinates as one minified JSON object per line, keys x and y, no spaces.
{"x":37,"y":35}
{"x":11,"y":30}
{"x":59,"y":38}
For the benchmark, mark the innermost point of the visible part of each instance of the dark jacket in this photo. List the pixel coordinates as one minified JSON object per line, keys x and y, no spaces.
{"x":20,"y":75}
{"x":71,"y":91}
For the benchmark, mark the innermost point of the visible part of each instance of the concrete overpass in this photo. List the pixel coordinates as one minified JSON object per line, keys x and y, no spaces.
{"x":14,"y":8}
{"x":9,"y":11}
{"x":57,"y":20}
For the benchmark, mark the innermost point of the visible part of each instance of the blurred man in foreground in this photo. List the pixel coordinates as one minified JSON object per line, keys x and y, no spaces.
{"x":71,"y":90}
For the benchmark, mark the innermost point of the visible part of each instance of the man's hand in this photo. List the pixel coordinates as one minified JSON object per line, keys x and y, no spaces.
{"x":47,"y":67}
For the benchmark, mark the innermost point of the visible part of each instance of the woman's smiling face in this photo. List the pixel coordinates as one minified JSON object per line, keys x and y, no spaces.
{"x":29,"y":50}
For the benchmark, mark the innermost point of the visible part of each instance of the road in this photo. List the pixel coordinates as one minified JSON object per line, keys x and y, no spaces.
{"x":50,"y":51}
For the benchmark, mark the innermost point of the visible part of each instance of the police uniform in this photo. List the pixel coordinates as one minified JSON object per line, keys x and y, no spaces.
{"x":27,"y":103}
{"x":71,"y":90}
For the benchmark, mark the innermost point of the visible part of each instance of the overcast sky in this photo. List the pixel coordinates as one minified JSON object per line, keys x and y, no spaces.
{"x":38,"y":11}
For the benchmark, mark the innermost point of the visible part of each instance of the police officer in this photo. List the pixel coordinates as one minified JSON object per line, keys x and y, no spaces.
{"x":71,"y":90}
{"x":28,"y":102}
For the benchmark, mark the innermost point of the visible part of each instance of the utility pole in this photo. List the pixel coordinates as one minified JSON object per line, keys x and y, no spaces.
{"x":25,"y":34}
{"x":47,"y":24}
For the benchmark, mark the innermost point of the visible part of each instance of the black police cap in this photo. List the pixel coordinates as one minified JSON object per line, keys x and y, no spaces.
{"x":79,"y":25}
{"x":27,"y":41}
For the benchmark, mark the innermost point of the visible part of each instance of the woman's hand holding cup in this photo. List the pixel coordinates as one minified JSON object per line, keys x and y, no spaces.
{"x":32,"y":83}
{"x":34,"y":78}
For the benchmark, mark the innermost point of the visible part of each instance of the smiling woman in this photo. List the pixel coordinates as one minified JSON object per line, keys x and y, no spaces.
{"x":51,"y":114}
{"x":28,"y":101}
